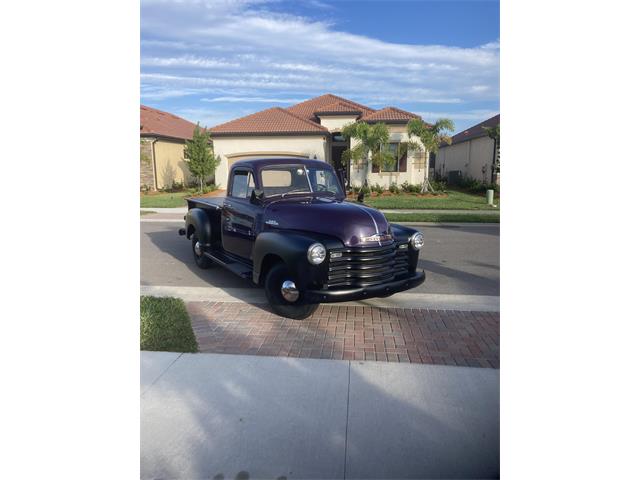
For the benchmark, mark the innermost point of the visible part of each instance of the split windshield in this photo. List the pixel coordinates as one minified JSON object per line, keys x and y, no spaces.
{"x":281,"y":180}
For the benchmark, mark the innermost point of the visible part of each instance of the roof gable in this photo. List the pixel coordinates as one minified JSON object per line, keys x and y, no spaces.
{"x":164,"y":124}
{"x":338,"y":108}
{"x":272,"y":120}
{"x":308,"y":108}
{"x":390,"y":114}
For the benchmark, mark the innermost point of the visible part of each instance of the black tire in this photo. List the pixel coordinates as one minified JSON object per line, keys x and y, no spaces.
{"x":272,"y":284}
{"x":201,"y":260}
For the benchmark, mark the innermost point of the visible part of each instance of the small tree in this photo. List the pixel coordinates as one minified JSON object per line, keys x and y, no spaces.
{"x":431,"y":137}
{"x":199,"y":155}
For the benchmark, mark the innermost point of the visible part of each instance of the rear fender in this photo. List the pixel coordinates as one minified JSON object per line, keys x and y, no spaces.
{"x":197,"y":221}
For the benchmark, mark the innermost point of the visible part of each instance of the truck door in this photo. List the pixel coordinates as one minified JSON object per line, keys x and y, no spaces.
{"x":239,"y":215}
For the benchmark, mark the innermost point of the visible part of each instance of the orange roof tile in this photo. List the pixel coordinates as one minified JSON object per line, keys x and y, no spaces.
{"x":390,"y":114}
{"x":271,"y":120}
{"x":338,"y":108}
{"x":164,"y":124}
{"x":308,"y":108}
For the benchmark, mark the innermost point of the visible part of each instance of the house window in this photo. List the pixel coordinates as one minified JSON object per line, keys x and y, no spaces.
{"x":400,"y":164}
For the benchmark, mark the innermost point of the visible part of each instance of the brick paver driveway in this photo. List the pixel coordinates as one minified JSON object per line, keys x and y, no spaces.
{"x":351,"y":333}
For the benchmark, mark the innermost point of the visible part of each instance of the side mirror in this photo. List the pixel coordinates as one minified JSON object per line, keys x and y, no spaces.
{"x":256,"y":197}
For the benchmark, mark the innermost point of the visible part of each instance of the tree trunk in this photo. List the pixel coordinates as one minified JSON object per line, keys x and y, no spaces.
{"x":426,"y":186}
{"x":201,"y":185}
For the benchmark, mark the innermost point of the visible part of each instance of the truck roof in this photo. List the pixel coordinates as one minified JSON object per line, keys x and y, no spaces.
{"x":260,"y":162}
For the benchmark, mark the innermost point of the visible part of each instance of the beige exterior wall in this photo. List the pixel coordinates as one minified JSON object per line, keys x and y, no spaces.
{"x":167,"y":162}
{"x":170,"y":164}
{"x":415,"y":165}
{"x":335,"y":123}
{"x":232,"y":149}
{"x":470,"y":157}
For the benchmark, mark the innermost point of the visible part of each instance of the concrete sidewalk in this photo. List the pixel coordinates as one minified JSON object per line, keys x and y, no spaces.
{"x":233,"y":416}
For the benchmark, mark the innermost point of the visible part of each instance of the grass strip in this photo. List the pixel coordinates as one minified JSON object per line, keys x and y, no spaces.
{"x":443,"y":217}
{"x":165,"y":326}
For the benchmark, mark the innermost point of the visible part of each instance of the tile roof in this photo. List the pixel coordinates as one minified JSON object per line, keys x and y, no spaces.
{"x":390,"y":114}
{"x":476,"y":131}
{"x":338,"y":108}
{"x":301,"y":118}
{"x":157,"y":122}
{"x":308,"y":108}
{"x":271,"y":120}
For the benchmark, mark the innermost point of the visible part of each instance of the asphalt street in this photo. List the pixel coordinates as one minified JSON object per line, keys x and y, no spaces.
{"x":460,"y":260}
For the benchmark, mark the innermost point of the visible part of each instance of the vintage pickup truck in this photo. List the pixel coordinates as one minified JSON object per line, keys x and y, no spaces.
{"x":285,"y":224}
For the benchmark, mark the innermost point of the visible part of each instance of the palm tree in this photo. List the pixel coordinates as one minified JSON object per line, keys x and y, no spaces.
{"x":494,"y":134}
{"x":431,"y":137}
{"x":372,"y":145}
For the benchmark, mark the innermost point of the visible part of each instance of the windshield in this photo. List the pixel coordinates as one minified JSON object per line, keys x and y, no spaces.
{"x":282,"y":180}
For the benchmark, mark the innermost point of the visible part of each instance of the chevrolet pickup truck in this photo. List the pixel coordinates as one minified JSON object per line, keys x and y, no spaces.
{"x":285,"y":225}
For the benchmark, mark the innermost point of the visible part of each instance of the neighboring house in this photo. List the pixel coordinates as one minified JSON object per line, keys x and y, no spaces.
{"x":162,"y":141}
{"x":313,"y":129}
{"x":471,"y":153}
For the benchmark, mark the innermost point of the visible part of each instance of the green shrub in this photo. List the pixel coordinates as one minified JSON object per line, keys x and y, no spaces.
{"x":476,"y":186}
{"x":439,"y":186}
{"x":409,"y":188}
{"x":365,"y":189}
{"x":393,"y":188}
{"x":377,"y":188}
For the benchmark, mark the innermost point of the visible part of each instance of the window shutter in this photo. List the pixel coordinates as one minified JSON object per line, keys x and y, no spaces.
{"x":403,"y":163}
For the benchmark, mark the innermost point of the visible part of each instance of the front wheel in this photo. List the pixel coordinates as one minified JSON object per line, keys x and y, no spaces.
{"x":284,"y":298}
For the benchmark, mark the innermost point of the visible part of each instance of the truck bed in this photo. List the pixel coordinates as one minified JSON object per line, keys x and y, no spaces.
{"x":206,"y":203}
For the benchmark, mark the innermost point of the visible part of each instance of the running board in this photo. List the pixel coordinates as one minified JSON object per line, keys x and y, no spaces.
{"x":239,"y":268}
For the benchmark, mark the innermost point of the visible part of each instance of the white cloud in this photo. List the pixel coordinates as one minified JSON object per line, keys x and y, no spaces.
{"x":252,"y":100}
{"x":470,"y":115}
{"x":237,"y":49}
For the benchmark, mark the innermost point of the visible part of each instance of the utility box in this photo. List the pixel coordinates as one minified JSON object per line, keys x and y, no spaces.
{"x":490,"y":197}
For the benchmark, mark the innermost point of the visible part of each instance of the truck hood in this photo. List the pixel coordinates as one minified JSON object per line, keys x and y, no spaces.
{"x":352,"y":223}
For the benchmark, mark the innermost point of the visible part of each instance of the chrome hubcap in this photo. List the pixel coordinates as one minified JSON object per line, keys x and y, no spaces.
{"x":198,"y":249}
{"x":289,"y":291}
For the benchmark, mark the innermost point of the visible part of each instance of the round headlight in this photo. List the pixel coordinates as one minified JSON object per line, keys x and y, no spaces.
{"x":417,"y":240}
{"x":316,"y":254}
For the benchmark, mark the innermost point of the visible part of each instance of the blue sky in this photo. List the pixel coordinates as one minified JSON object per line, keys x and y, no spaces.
{"x":215,"y":60}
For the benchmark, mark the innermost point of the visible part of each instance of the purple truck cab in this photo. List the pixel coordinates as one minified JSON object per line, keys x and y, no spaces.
{"x":286,"y":225}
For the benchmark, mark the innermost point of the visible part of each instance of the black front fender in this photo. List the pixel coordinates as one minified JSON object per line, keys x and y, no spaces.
{"x":290,"y":248}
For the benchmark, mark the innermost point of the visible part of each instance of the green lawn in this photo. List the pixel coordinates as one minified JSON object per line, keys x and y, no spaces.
{"x":454,"y":200}
{"x":164,"y":200}
{"x":443,"y":217}
{"x":165,"y":326}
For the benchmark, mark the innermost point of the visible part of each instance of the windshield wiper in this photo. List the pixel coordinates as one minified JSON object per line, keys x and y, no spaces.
{"x":294,"y":191}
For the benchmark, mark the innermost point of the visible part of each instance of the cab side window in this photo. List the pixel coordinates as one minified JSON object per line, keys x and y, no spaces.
{"x":242,"y":185}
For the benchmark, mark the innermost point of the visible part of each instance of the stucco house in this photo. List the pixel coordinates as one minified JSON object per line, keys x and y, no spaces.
{"x":162,"y":141}
{"x":313,"y":129}
{"x":472,"y":153}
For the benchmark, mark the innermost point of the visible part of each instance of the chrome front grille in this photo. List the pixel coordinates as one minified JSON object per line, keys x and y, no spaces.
{"x":366,"y":266}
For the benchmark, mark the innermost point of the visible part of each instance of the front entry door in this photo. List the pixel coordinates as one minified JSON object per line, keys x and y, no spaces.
{"x":336,"y":161}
